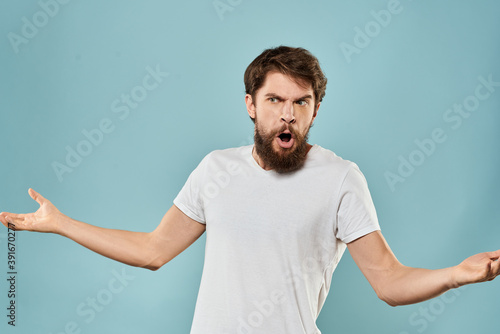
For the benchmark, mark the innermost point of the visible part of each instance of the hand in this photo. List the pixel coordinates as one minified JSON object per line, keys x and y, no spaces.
{"x":45,"y":219}
{"x":478,"y":268}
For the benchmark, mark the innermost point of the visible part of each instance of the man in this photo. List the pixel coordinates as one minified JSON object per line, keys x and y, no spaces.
{"x":278,"y":215}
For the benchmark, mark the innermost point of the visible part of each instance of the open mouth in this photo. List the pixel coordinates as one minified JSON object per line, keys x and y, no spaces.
{"x":285,"y":137}
{"x":285,"y":140}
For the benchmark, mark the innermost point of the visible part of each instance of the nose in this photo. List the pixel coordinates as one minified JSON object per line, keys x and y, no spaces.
{"x":287,"y":114}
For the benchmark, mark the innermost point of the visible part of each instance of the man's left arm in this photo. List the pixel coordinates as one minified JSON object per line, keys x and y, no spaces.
{"x":397,"y":284}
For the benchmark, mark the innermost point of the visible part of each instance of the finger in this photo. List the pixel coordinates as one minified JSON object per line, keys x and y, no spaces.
{"x":36,"y":196}
{"x":3,"y":220}
{"x":11,"y":223}
{"x":14,"y":218}
{"x":494,"y":269}
{"x":494,"y":255}
{"x":4,"y":215}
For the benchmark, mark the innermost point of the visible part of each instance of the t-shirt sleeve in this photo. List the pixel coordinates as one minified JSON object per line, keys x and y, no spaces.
{"x":190,"y":199}
{"x":356,"y":215}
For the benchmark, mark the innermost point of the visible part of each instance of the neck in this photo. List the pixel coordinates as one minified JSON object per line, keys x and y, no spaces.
{"x":261,"y":163}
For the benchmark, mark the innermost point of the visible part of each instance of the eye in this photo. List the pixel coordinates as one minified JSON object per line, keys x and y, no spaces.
{"x":302,"y":102}
{"x":273,"y":99}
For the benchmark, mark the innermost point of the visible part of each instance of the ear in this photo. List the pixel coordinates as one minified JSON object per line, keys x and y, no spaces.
{"x":250,"y":106}
{"x":316,"y":111}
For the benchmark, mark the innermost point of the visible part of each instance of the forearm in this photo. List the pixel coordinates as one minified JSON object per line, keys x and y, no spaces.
{"x":406,"y":285}
{"x":395,"y":283}
{"x":132,"y":248}
{"x":173,"y":235}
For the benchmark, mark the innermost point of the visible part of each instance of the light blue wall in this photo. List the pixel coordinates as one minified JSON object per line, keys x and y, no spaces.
{"x":386,"y":90}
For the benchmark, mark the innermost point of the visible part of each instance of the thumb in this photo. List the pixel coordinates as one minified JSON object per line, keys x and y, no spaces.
{"x":36,"y":196}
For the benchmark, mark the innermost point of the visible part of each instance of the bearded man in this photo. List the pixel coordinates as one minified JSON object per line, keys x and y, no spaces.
{"x":278,"y":215}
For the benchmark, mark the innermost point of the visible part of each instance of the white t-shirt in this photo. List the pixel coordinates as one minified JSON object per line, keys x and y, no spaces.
{"x":273,"y":240}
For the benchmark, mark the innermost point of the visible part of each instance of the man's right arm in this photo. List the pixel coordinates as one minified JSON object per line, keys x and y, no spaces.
{"x":173,"y":235}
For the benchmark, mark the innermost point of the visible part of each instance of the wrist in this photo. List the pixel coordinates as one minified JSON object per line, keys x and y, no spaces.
{"x":61,"y":223}
{"x":454,"y":281}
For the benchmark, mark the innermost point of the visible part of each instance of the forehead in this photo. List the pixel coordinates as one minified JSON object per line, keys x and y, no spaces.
{"x":284,"y":86}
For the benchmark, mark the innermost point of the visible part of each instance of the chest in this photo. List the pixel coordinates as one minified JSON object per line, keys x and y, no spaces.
{"x":264,"y":210}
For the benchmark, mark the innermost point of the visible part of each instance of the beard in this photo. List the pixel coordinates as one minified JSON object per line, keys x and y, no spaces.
{"x":283,"y":160}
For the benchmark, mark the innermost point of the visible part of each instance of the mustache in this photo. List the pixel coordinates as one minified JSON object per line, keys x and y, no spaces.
{"x":285,"y":127}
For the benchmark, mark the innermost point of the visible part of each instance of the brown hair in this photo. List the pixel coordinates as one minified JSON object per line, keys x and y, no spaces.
{"x":297,"y":63}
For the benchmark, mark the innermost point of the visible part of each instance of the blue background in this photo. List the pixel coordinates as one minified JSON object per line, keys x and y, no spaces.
{"x":395,"y":90}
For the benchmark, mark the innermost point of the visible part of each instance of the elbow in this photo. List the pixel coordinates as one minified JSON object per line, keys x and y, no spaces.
{"x":389,"y":301}
{"x":151,"y":259}
{"x":149,"y":265}
{"x":383,"y":296}
{"x":152,"y":267}
{"x":155,"y":264}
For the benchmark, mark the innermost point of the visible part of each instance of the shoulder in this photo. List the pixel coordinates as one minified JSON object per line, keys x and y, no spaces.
{"x":229,"y":154}
{"x":334,"y":168}
{"x":221,"y":158}
{"x":325,"y":158}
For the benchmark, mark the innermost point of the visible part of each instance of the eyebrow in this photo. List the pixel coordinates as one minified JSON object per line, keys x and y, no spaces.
{"x":308,"y":96}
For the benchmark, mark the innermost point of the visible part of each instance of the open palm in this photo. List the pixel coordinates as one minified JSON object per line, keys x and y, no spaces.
{"x":45,"y":219}
{"x":479,"y":268}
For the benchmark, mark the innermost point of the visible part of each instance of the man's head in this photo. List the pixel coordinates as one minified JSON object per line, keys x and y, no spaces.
{"x":284,"y":89}
{"x":297,"y":63}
